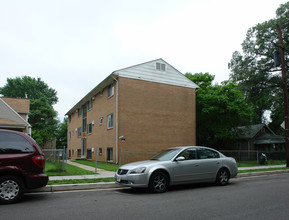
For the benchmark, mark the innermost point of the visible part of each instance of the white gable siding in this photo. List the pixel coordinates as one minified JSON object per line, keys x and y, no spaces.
{"x":148,"y":72}
{"x":7,"y":112}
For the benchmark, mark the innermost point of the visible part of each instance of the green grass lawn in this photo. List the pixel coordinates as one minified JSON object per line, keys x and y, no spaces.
{"x":55,"y":169}
{"x":100,"y":165}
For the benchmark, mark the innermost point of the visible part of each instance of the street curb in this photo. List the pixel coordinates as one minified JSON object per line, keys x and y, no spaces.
{"x":109,"y":185}
{"x":70,"y":187}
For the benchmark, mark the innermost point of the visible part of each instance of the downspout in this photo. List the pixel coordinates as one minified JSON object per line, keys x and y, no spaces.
{"x":116,"y":120}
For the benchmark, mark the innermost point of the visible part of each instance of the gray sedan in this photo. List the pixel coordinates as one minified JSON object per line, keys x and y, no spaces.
{"x":179,"y":165}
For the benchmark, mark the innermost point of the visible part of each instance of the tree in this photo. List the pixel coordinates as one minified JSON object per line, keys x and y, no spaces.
{"x":220,"y":108}
{"x":61,"y":137}
{"x":254,"y":70}
{"x":42,"y":115}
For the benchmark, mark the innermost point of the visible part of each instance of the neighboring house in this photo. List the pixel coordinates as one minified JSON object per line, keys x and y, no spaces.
{"x":259,"y":137}
{"x":14,"y":114}
{"x":133,"y":113}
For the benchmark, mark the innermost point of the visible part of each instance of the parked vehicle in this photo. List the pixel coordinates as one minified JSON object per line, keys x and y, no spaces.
{"x":21,"y":165}
{"x":179,"y":165}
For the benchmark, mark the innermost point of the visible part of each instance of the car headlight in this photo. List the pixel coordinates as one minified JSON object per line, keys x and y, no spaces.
{"x":138,"y":170}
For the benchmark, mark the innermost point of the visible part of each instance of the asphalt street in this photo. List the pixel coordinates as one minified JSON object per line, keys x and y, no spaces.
{"x":265,"y":197}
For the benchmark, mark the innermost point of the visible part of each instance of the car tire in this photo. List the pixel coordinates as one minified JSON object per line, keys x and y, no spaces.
{"x":223,"y":177}
{"x":11,"y":189}
{"x":159,"y":182}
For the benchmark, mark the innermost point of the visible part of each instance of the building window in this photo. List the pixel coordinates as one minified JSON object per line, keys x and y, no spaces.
{"x":109,"y":154}
{"x":79,"y":153}
{"x":84,"y":113}
{"x":69,"y":135}
{"x":110,"y":90}
{"x":101,"y":121}
{"x":79,"y":132}
{"x":89,"y":104}
{"x":84,"y":125}
{"x":100,"y":151}
{"x":84,"y":147}
{"x":101,"y":93}
{"x":89,"y":128}
{"x":79,"y":112}
{"x":110,"y":121}
{"x":69,"y":118}
{"x":161,"y":66}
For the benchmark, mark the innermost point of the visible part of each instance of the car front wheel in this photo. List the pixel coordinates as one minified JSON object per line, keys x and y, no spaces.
{"x":11,"y":189}
{"x":223,"y":177}
{"x":159,"y":182}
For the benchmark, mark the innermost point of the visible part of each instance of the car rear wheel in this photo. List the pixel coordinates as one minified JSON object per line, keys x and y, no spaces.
{"x":223,"y":177}
{"x":11,"y":189}
{"x":159,"y":182}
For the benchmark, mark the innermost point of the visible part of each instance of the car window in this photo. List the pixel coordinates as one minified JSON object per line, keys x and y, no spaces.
{"x":11,"y":143}
{"x":165,"y":155}
{"x":189,"y":154}
{"x":206,"y":154}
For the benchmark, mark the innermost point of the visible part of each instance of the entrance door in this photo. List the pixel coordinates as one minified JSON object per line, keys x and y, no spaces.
{"x":89,"y":154}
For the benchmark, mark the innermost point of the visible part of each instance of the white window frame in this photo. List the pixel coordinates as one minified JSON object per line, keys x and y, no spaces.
{"x":110,"y":90}
{"x":89,"y":131}
{"x":89,"y":104}
{"x":161,"y":67}
{"x":110,"y":121}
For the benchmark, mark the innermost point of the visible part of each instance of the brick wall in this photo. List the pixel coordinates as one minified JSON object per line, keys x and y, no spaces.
{"x":101,"y":136}
{"x":151,"y":117}
{"x":154,"y":116}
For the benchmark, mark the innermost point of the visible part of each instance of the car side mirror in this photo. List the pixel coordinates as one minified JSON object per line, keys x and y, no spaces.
{"x":180,"y":159}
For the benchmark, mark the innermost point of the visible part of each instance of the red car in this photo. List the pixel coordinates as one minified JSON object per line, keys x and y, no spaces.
{"x":21,"y":165}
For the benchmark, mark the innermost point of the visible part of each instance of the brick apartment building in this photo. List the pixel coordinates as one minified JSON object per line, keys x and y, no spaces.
{"x":133,"y":113}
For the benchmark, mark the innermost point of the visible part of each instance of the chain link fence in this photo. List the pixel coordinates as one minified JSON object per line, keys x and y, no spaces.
{"x":239,"y":155}
{"x":243,"y":155}
{"x":56,"y":156}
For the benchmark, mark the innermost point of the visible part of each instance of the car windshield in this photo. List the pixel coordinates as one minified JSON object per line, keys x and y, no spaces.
{"x":165,"y":155}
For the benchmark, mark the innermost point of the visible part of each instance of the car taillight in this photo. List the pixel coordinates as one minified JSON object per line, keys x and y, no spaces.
{"x":39,"y":161}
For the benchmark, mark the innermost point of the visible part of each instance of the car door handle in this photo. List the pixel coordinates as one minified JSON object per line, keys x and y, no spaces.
{"x":196,"y":165}
{"x":218,"y":162}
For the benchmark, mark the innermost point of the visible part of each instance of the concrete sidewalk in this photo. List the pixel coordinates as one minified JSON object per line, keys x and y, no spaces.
{"x":261,"y":167}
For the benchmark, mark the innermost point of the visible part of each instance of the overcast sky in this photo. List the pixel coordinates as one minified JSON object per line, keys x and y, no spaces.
{"x":72,"y":45}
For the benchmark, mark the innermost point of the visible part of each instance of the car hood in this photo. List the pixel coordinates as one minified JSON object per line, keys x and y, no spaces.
{"x":144,"y":163}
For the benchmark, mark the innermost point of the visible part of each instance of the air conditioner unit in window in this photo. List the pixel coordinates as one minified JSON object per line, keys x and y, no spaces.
{"x":92,"y":122}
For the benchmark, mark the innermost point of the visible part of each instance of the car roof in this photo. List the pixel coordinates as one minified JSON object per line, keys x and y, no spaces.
{"x":186,"y":147}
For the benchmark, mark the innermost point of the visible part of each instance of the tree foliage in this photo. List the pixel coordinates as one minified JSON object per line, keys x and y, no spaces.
{"x":42,"y":115}
{"x":254,"y":70}
{"x":220,"y":108}
{"x":61,"y":137}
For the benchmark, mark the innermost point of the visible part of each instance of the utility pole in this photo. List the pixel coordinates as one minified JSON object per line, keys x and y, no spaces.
{"x":285,"y":93}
